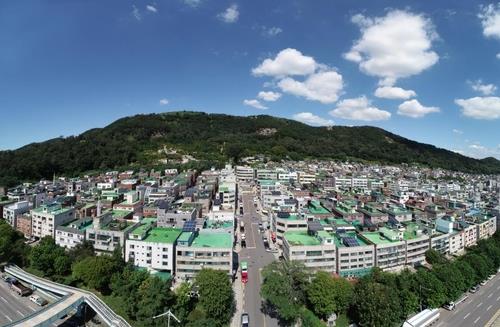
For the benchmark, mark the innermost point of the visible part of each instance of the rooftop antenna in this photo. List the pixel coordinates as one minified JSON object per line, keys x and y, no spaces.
{"x":168,"y":314}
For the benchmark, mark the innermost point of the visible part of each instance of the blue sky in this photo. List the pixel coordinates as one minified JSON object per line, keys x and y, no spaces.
{"x":426,"y":70}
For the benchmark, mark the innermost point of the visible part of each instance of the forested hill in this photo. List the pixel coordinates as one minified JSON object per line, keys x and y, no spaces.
{"x":214,"y":138}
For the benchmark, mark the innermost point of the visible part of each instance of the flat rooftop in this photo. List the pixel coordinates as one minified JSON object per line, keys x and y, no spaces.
{"x":299,"y":238}
{"x":340,"y":243}
{"x":163,"y":235}
{"x":376,"y":238}
{"x":213,"y":240}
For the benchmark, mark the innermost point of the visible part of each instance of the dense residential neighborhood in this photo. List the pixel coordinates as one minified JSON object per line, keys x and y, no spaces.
{"x":345,"y":219}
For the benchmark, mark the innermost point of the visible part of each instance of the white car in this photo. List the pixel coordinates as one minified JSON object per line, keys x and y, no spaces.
{"x":38,"y":300}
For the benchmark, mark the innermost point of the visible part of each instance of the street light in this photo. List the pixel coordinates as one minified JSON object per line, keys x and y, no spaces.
{"x":168,"y":314}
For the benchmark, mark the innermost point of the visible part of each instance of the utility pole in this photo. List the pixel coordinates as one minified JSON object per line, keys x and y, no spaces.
{"x":168,"y":314}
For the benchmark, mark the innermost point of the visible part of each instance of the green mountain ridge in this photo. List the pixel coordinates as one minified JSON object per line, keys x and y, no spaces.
{"x":215,"y":138}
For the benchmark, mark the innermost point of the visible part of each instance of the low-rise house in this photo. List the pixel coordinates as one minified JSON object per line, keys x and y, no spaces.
{"x":72,"y":233}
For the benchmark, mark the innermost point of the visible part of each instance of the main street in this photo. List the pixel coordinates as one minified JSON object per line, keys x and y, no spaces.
{"x":12,"y":306}
{"x":477,"y":310}
{"x":257,"y":257}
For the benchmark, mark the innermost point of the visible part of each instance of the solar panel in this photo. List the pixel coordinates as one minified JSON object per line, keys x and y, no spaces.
{"x":283,"y":214}
{"x":350,"y":241}
{"x":189,"y":226}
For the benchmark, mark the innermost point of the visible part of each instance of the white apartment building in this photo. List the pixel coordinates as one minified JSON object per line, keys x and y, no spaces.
{"x":11,"y":212}
{"x":203,"y":249}
{"x":282,"y":222}
{"x":244,"y":174}
{"x":152,"y":247}
{"x":46,"y":218}
{"x":316,"y":252}
{"x":72,"y":233}
{"x":306,"y":177}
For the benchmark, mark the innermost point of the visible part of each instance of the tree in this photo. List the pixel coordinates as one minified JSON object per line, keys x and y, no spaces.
{"x":284,"y":288}
{"x":216,"y":295}
{"x":480,"y":265}
{"x":81,"y":251}
{"x":452,"y":279}
{"x":308,"y":319}
{"x":12,"y":247}
{"x":430,"y":288}
{"x":375,"y":304}
{"x":62,"y":265}
{"x":327,"y":295}
{"x":434,"y":257}
{"x":409,"y":303}
{"x":154,"y":298}
{"x":95,"y":272}
{"x":44,"y":255}
{"x":184,"y":302}
{"x":126,"y":285}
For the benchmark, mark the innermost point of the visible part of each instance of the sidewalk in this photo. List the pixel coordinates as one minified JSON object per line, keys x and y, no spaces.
{"x":239,"y":298}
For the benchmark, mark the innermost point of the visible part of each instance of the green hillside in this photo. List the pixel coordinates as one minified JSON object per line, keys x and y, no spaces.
{"x":214,"y":138}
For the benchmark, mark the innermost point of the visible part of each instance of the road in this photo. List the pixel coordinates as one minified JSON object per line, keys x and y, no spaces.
{"x":257,"y":258}
{"x":477,"y":310}
{"x":12,"y":306}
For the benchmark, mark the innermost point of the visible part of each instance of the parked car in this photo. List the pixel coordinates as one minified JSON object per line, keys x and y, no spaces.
{"x":484,"y":282}
{"x":38,"y":300}
{"x":245,"y":320}
{"x":474,"y":289}
{"x":490,"y":277}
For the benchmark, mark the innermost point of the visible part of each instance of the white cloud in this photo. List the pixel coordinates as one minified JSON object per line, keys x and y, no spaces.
{"x":413,"y":109}
{"x":254,"y":103}
{"x":151,"y":8}
{"x":271,"y":31}
{"x":323,"y":86}
{"x":457,"y":131}
{"x":395,"y":46}
{"x":490,"y":19}
{"x":230,"y":15}
{"x":163,"y":102}
{"x":480,"y":107}
{"x":392,"y":92}
{"x":288,"y":62}
{"x":484,"y":89}
{"x":359,"y":109}
{"x":480,"y":151}
{"x":311,"y":119}
{"x":192,"y":3}
{"x":135,"y":13}
{"x":269,"y":96}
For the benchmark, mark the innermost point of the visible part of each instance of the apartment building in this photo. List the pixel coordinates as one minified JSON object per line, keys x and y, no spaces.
{"x":282,"y":222}
{"x":152,"y":247}
{"x":315,"y":250}
{"x":355,"y":257}
{"x":203,"y":249}
{"x":12,"y":211}
{"x":46,"y":218}
{"x":70,"y":234}
{"x":245,"y":174}
{"x":390,"y":248}
{"x":107,"y":233}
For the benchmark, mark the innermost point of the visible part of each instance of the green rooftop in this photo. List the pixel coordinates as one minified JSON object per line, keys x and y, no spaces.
{"x":301,"y":238}
{"x":316,"y":208}
{"x":120,"y":213}
{"x":53,"y":209}
{"x":376,"y":238}
{"x":212,"y":240}
{"x":163,"y":235}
